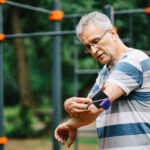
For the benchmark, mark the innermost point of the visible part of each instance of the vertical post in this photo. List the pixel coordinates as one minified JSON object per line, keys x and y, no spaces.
{"x":131,"y":29}
{"x":56,"y":75}
{"x":75,"y":72}
{"x":109,"y":11}
{"x":75,"y":61}
{"x":1,"y":81}
{"x":148,"y":16}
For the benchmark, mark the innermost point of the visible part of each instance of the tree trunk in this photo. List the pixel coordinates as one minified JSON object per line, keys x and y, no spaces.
{"x":22,"y":68}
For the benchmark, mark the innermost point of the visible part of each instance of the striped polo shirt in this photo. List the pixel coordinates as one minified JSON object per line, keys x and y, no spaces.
{"x":126,"y":124}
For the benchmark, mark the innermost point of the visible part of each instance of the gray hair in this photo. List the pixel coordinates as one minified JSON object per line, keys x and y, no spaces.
{"x":99,"y":19}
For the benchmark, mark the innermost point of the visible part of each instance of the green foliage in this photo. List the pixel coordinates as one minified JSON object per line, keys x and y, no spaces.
{"x":21,"y":123}
{"x":18,"y":122}
{"x":77,"y":6}
{"x":39,"y":62}
{"x":11,"y":112}
{"x":11,"y":94}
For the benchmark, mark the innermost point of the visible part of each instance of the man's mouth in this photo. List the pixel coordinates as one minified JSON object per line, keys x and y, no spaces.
{"x":98,"y":57}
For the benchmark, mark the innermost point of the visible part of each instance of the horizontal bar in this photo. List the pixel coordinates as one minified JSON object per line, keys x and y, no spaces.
{"x":126,"y":40}
{"x":120,"y":12}
{"x":134,"y":11}
{"x":86,"y":71}
{"x":73,"y":15}
{"x":24,"y":35}
{"x":115,"y":12}
{"x":40,"y":9}
{"x":45,"y":11}
{"x":86,"y":131}
{"x":146,"y":51}
{"x":77,"y":42}
{"x":70,"y":15}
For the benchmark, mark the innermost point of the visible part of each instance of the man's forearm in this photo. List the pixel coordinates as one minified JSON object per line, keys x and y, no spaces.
{"x":86,"y":118}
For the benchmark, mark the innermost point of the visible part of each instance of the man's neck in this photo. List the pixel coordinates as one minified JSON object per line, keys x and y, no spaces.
{"x":121,"y":49}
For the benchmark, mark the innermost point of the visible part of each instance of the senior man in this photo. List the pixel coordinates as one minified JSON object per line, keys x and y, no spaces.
{"x":120,"y":98}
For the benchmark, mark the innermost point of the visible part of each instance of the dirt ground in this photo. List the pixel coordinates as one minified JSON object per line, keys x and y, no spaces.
{"x":46,"y":144}
{"x":37,"y":144}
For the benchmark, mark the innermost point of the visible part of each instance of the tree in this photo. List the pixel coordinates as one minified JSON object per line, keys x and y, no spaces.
{"x":22,"y":67}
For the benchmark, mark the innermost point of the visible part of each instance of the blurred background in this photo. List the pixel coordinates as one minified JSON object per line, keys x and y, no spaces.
{"x":27,"y":68}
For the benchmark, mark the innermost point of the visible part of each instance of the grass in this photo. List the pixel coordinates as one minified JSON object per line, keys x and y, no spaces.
{"x":88,"y":140}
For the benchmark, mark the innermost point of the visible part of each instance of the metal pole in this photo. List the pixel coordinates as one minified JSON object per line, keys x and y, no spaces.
{"x":109,"y":11}
{"x":131,"y":29}
{"x":148,"y":16}
{"x":132,"y":11}
{"x":75,"y":74}
{"x":45,"y":11}
{"x":70,"y":16}
{"x":38,"y":34}
{"x":56,"y":75}
{"x":75,"y":61}
{"x":1,"y":81}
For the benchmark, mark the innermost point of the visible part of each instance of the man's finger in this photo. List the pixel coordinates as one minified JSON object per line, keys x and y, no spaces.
{"x":81,"y":106}
{"x":56,"y":133}
{"x":70,"y":142}
{"x":63,"y":141}
{"x":77,"y":111}
{"x":81,"y":100}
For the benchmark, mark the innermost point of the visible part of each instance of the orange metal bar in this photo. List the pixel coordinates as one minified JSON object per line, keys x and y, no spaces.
{"x":3,"y":140}
{"x":56,"y":15}
{"x":147,"y":10}
{"x":2,"y":1}
{"x":2,"y":37}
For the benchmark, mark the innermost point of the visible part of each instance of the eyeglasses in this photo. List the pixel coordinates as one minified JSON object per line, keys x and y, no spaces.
{"x":95,"y":41}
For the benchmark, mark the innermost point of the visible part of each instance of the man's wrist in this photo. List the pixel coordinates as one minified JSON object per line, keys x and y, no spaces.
{"x":74,"y":123}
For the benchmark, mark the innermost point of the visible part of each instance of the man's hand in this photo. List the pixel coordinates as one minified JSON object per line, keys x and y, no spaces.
{"x":68,"y":130}
{"x":75,"y":106}
{"x":63,"y":132}
{"x":88,"y":116}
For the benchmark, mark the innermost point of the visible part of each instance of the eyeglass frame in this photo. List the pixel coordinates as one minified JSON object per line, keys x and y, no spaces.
{"x":88,"y":46}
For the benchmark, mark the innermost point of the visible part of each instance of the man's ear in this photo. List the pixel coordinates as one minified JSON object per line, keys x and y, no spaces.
{"x":113,"y":30}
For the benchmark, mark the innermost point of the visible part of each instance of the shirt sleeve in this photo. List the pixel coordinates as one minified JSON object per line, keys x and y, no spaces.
{"x":99,"y":81}
{"x":94,"y":88}
{"x":127,"y":74}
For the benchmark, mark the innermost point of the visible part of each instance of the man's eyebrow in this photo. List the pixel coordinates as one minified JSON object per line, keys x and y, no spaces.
{"x":95,"y":38}
{"x":91,"y":40}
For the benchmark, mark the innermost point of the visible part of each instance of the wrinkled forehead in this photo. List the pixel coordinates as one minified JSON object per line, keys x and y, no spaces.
{"x":90,"y":31}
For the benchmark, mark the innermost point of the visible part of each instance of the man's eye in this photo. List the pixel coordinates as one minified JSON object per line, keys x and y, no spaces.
{"x":95,"y":41}
{"x":88,"y":46}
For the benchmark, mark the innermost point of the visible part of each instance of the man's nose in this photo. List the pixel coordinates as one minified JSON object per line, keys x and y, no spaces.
{"x":94,"y":49}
